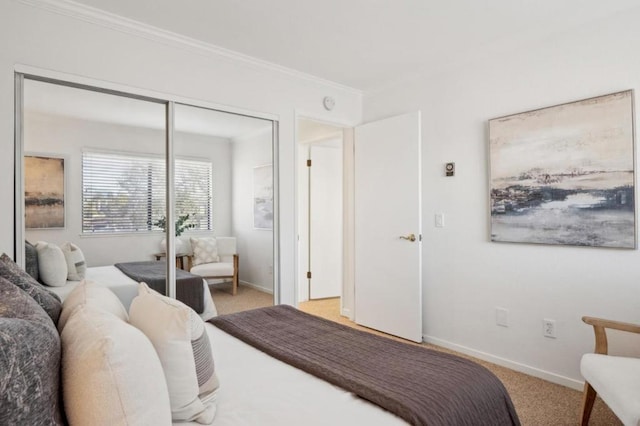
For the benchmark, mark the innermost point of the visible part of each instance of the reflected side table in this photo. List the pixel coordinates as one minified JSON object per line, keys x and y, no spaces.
{"x":180,"y":260}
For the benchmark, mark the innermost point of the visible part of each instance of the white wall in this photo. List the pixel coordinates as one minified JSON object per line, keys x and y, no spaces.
{"x":67,"y":137}
{"x":102,"y":49}
{"x":465,"y":275}
{"x":255,"y":246}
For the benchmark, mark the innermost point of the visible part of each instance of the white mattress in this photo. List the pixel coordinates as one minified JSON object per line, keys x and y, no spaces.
{"x":126,"y":288}
{"x":256,"y":389}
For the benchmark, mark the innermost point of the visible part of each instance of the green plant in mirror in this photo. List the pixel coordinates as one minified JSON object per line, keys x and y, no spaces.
{"x":181,"y":224}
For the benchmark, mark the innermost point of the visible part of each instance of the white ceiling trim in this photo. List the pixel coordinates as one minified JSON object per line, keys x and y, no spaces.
{"x":139,"y":29}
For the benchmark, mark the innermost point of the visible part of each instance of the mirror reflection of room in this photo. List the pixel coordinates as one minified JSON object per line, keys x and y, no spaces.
{"x":234,"y":250}
{"x":95,"y":198}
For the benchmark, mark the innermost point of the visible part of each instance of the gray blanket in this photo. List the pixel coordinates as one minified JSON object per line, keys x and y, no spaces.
{"x":189,"y":289}
{"x":422,"y":386}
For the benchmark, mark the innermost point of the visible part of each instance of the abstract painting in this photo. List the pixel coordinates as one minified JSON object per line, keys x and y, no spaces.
{"x":263,"y":197}
{"x":565,"y":174}
{"x":44,"y":192}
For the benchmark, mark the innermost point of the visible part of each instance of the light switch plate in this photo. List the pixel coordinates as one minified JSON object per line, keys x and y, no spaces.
{"x":439,"y":220}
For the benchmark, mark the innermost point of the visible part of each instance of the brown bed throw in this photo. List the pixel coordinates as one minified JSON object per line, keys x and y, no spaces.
{"x":420,"y":385}
{"x":189,"y":289}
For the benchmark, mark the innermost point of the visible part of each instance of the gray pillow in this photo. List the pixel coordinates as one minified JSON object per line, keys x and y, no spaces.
{"x":48,"y":301}
{"x":31,"y":260}
{"x":29,"y":361}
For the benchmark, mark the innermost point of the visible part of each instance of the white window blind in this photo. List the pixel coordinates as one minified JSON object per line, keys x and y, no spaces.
{"x":194,"y":189}
{"x":126,"y":192}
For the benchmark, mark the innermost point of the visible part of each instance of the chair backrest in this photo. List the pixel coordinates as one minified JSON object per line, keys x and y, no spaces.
{"x":226,"y":246}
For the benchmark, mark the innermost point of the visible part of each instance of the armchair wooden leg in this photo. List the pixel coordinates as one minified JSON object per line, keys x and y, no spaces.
{"x":588,"y":399}
{"x":236,"y":269}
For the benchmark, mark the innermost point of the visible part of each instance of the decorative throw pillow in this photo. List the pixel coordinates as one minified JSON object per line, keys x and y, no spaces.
{"x":50,"y":302}
{"x":182,"y":343}
{"x":111,"y":374}
{"x":31,"y":260}
{"x":89,"y":293}
{"x":76,"y":266}
{"x":29,"y":361}
{"x":52,"y":265}
{"x":205,"y":250}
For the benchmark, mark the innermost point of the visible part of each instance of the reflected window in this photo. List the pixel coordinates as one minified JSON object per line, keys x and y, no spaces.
{"x":124,"y":192}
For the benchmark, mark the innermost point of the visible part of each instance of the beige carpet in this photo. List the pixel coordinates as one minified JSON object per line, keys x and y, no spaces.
{"x":247,"y":298}
{"x":538,"y":402}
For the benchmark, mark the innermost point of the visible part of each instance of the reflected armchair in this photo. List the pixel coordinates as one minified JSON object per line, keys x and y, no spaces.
{"x":222,"y":260}
{"x":615,"y":378}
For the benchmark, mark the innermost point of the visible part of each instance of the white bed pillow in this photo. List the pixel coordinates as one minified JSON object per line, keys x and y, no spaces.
{"x":76,"y":265}
{"x":90,"y":293}
{"x":205,"y":250}
{"x":111,"y":374}
{"x":182,"y":344}
{"x":52,"y":266}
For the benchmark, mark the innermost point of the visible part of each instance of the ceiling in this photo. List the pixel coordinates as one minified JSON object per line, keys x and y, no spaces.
{"x":365,"y":44}
{"x":309,"y":131}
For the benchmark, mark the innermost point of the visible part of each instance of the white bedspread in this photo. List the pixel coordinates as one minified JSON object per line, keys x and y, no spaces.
{"x":256,"y":389}
{"x":126,"y":288}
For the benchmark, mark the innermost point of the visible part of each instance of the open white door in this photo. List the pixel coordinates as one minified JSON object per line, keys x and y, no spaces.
{"x":388,"y":228}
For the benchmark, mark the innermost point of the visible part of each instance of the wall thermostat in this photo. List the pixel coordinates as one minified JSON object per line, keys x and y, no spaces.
{"x":450,"y":169}
{"x":328,"y":103}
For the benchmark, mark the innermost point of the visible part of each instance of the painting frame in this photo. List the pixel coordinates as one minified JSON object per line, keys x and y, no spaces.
{"x":263,"y":197}
{"x":44,"y":191}
{"x":565,"y":174}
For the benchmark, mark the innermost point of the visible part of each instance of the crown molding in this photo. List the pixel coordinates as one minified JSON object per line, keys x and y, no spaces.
{"x":129,"y":26}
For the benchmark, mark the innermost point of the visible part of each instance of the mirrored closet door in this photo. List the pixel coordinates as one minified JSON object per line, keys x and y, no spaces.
{"x":92,"y":183}
{"x":224,"y":196}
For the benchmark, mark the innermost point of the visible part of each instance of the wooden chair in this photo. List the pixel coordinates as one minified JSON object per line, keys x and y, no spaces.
{"x":616,"y":379}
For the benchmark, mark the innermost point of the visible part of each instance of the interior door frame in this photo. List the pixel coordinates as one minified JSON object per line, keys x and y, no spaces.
{"x":70,"y":80}
{"x":348,"y":282}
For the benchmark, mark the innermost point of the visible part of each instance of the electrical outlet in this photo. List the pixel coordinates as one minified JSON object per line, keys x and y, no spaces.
{"x":549,"y":328}
{"x":502,"y":317}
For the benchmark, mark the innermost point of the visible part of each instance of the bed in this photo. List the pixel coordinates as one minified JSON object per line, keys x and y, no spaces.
{"x":281,"y":366}
{"x":257,"y":389}
{"x":126,"y":288}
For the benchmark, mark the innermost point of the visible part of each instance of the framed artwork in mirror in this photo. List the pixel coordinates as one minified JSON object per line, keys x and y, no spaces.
{"x":263,"y":197}
{"x":44,"y":192}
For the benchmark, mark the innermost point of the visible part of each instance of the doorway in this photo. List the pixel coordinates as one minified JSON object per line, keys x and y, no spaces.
{"x":320,"y":209}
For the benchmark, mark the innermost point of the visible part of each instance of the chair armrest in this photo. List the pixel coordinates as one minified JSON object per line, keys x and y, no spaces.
{"x":599,"y":328}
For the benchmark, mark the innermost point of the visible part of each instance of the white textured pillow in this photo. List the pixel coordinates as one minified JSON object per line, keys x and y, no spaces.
{"x":182,"y":344}
{"x":76,"y":266}
{"x":52,"y":266}
{"x":111,"y":374}
{"x":205,"y":250}
{"x":89,"y":293}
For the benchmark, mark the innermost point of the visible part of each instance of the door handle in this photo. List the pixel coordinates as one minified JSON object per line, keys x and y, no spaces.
{"x":410,"y":237}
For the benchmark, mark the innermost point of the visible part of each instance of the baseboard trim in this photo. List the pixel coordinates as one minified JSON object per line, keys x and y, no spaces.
{"x":346,"y":312}
{"x":257,"y":287}
{"x":522,"y":368}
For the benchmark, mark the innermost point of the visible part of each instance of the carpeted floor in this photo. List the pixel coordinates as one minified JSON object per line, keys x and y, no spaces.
{"x":538,"y":402}
{"x":247,"y":298}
